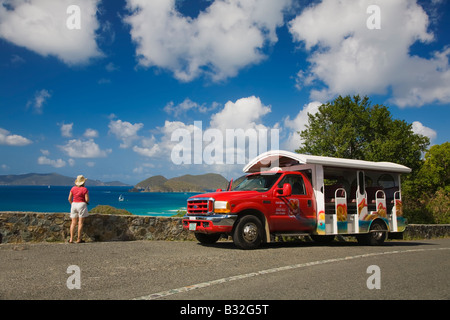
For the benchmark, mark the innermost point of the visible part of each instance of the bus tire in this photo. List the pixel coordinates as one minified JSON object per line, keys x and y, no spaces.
{"x":376,"y":236}
{"x":207,"y":238}
{"x":248,"y":233}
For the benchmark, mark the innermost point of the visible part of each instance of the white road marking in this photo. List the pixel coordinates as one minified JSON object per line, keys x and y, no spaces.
{"x":170,"y":292}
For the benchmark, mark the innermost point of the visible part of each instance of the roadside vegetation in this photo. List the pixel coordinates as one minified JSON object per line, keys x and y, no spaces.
{"x":105,"y":209}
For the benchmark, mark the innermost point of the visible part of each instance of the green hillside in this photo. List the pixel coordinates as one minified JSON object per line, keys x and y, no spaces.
{"x":186,"y":183}
{"x":151,"y":182}
{"x":49,"y":179}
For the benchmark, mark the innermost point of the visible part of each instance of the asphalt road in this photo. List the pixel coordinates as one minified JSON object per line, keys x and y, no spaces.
{"x":163,"y":270}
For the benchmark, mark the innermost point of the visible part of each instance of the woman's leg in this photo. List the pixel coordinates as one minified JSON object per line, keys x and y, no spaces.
{"x":80,"y":228}
{"x":72,"y":228}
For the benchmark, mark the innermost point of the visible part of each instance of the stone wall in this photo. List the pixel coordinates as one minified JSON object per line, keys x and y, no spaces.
{"x":427,"y":231}
{"x":17,"y":227}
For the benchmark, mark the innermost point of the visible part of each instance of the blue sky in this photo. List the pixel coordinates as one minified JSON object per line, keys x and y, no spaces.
{"x":105,"y":88}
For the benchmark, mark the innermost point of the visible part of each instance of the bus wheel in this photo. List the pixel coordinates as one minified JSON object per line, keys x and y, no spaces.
{"x":207,"y":238}
{"x":376,"y":236}
{"x":248,"y":233}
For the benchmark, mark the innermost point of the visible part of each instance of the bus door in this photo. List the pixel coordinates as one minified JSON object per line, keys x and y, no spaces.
{"x":296,"y":212}
{"x":396,"y":211}
{"x":335,"y":208}
{"x":361,"y":203}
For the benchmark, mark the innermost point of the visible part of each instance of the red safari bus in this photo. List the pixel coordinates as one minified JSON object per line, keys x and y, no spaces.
{"x":285,"y":193}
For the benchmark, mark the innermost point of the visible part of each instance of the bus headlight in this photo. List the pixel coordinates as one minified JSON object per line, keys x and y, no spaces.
{"x":222,"y":207}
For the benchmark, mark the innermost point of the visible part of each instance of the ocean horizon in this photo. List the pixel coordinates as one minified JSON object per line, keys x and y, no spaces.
{"x":54,"y":199}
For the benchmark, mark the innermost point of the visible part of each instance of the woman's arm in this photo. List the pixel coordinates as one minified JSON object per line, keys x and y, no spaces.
{"x":86,"y":198}
{"x":70,"y":197}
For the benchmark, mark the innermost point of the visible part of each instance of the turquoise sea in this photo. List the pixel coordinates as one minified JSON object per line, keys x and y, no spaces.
{"x":54,"y":199}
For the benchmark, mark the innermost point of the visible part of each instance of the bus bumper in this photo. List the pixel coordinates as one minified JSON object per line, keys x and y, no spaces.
{"x":210,"y":224}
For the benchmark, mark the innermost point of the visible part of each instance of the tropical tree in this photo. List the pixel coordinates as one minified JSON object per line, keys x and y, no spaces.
{"x":428,"y":193}
{"x":435,"y":172}
{"x":350,"y":127}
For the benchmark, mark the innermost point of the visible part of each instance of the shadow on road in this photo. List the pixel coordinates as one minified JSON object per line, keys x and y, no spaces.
{"x":227,"y":245}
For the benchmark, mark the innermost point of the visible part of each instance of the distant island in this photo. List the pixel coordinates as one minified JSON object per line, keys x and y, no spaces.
{"x":187,"y":183}
{"x":50,"y":179}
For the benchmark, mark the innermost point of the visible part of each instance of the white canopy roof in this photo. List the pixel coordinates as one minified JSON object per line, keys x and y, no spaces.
{"x":286,"y":159}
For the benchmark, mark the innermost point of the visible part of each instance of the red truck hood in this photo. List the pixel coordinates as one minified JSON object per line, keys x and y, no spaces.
{"x":228,"y":195}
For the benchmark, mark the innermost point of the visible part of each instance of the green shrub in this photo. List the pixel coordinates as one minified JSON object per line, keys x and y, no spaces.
{"x":180,"y":213}
{"x":104,"y":209}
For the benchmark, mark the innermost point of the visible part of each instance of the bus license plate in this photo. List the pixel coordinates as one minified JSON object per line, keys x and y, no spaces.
{"x":192,"y":226}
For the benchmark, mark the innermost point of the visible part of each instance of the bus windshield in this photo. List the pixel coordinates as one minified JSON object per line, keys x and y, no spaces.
{"x":257,"y":182}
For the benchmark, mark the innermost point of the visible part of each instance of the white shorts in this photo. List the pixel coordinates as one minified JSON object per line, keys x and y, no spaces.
{"x":79,"y":209}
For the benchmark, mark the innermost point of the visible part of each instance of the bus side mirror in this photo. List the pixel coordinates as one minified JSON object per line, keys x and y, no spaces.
{"x":286,"y":191}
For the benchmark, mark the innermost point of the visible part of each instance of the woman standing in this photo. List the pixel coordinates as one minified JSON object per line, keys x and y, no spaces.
{"x":79,"y":199}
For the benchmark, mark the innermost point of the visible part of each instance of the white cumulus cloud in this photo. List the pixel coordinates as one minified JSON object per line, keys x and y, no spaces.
{"x":84,"y":149}
{"x":41,"y":26}
{"x":187,"y":105}
{"x":90,"y":133}
{"x":147,"y":152}
{"x":298,"y":124}
{"x":348,"y":57}
{"x":59,"y":163}
{"x":419,"y":128}
{"x":125,"y":131}
{"x":66,"y":129}
{"x":38,"y":100}
{"x":6,"y":138}
{"x":244,"y":113}
{"x":200,"y":139}
{"x":226,"y":37}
